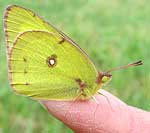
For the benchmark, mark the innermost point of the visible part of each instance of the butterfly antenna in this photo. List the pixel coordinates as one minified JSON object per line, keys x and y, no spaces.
{"x":137,"y":63}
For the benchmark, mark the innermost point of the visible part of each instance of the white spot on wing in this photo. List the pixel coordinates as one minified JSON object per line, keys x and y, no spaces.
{"x":52,"y":62}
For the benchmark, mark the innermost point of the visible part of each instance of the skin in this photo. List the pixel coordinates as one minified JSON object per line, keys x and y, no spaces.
{"x":108,"y":115}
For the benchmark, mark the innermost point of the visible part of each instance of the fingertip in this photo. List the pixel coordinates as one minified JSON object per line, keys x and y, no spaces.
{"x":85,"y":115}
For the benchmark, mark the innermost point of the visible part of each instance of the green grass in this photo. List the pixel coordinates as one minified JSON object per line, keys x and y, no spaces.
{"x":112,"y":33}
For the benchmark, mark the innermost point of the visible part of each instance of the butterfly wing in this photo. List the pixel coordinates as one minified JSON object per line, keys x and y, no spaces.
{"x":43,"y":65}
{"x":28,"y":50}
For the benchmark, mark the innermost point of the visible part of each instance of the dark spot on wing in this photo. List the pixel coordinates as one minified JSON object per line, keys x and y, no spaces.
{"x":34,"y":15}
{"x":24,"y":59}
{"x":25,"y":72}
{"x":81,"y":83}
{"x":62,"y":41}
{"x":27,"y":83}
{"x":78,"y":80}
{"x":9,"y":8}
{"x":52,"y":60}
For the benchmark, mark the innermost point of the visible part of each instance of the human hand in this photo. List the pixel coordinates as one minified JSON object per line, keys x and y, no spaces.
{"x":105,"y":117}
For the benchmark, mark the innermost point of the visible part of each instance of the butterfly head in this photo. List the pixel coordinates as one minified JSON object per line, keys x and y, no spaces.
{"x":103,"y":77}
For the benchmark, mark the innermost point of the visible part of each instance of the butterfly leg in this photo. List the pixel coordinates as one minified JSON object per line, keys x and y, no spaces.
{"x":106,"y":99}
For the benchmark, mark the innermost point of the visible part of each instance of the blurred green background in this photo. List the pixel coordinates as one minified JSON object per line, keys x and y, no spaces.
{"x":112,"y":33}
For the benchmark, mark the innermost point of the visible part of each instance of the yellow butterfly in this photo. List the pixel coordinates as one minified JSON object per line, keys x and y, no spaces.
{"x":44,"y":63}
